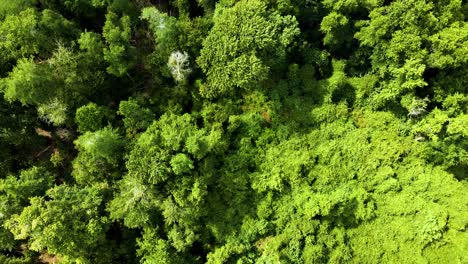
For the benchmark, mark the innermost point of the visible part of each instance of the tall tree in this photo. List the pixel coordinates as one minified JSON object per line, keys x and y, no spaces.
{"x":243,"y":44}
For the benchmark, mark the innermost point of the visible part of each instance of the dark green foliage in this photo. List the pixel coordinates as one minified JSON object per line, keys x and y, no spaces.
{"x":135,"y":118}
{"x":120,"y":53}
{"x":18,"y":138}
{"x":91,"y":117}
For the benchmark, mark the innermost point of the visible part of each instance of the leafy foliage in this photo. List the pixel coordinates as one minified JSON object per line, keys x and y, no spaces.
{"x":69,"y":210}
{"x":90,"y":117}
{"x":233,"y":131}
{"x":102,"y":148}
{"x":15,"y":193}
{"x":136,"y":118}
{"x":119,"y":54}
{"x":239,"y":46}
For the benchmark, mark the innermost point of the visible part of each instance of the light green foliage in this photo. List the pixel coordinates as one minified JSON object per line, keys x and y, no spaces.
{"x":54,"y":112}
{"x":15,"y":193}
{"x":104,"y":143}
{"x":31,"y":32}
{"x":163,"y":27}
{"x":445,"y":129}
{"x":69,"y":210}
{"x":28,"y":83}
{"x":217,"y":113}
{"x":338,"y":86}
{"x":153,"y":249}
{"x":17,"y":260}
{"x":170,"y":35}
{"x":450,"y":46}
{"x":90,"y":63}
{"x":406,"y":38}
{"x":99,"y":156}
{"x":31,"y":182}
{"x":14,"y":7}
{"x":362,"y":181}
{"x":69,"y":70}
{"x":364,"y":86}
{"x":90,"y":117}
{"x":181,"y":164}
{"x":55,"y":84}
{"x":119,"y":54}
{"x":331,"y":25}
{"x":458,"y":126}
{"x":239,"y":47}
{"x":429,"y":226}
{"x":91,"y":42}
{"x":91,"y":60}
{"x":22,"y":37}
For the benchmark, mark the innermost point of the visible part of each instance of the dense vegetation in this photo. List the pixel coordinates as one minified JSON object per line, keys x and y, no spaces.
{"x":233,"y":131}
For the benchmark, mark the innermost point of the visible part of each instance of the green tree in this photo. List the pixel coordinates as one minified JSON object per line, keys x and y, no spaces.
{"x":14,"y":7}
{"x":91,"y":117}
{"x":99,"y":156}
{"x":15,"y":193}
{"x":136,"y":118}
{"x":403,"y":51}
{"x":239,"y":49}
{"x":31,"y":33}
{"x":119,"y":54}
{"x":169,"y":168}
{"x":68,"y":210}
{"x":28,"y":83}
{"x":233,"y":131}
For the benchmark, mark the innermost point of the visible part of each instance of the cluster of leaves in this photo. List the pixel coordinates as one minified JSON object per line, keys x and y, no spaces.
{"x":233,"y":131}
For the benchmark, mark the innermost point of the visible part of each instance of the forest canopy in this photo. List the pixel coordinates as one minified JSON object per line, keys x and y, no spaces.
{"x":233,"y":131}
